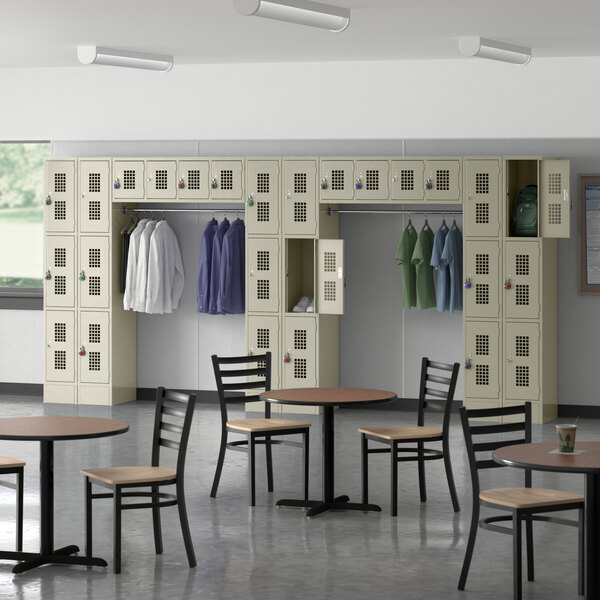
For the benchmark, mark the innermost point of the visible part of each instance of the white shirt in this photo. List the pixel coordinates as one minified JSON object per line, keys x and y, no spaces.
{"x":141,"y":276}
{"x":132,"y":256}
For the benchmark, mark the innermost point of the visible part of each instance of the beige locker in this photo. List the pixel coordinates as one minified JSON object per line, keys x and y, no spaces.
{"x":93,"y":349}
{"x":263,"y":336}
{"x":262,"y":264}
{"x":300,"y":352}
{"x":59,"y":194}
{"x":59,"y":279}
{"x":94,"y":190}
{"x":94,"y":272}
{"x":300,"y":204}
{"x":554,"y":210}
{"x":337,"y":180}
{"x":161,"y":181}
{"x":482,"y":273}
{"x":442,"y":180}
{"x":193,"y":179}
{"x":262,"y":197}
{"x":522,"y":359}
{"x":481,"y":213}
{"x":407,"y":180}
{"x":371,"y":180}
{"x":330,"y":277}
{"x":128,"y":179}
{"x":60,"y":346}
{"x":481,"y":374}
{"x":522,"y":279}
{"x":226,"y":181}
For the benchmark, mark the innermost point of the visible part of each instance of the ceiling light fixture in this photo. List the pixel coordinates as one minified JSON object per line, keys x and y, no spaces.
{"x":124,"y":58}
{"x":486,"y":48}
{"x":303,"y":12}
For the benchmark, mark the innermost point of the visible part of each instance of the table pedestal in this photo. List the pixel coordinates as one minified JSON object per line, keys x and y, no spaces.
{"x":592,"y":536}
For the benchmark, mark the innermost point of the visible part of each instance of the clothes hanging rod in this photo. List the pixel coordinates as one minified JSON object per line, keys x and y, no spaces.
{"x":127,"y":209}
{"x":374,"y":211}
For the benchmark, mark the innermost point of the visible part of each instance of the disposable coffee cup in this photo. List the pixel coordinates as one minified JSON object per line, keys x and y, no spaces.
{"x":565,"y":435}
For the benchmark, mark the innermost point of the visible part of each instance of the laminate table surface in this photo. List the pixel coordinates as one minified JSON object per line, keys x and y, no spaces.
{"x":53,"y":428}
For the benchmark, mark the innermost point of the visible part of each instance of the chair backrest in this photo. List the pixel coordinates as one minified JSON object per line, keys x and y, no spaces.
{"x":438,"y":382}
{"x":495,"y":437}
{"x":241,"y":373}
{"x":172,"y":424}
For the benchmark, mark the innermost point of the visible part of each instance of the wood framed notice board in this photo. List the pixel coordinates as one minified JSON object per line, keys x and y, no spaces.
{"x":589,"y":234}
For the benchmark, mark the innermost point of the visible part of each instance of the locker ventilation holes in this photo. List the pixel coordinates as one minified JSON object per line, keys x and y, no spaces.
{"x":300,"y":183}
{"x":94,"y":210}
{"x":262,"y":289}
{"x":262,"y":183}
{"x":299,"y":339}
{"x":262,"y":260}
{"x":522,"y":264}
{"x":522,"y":345}
{"x":554,"y":183}
{"x":60,"y":257}
{"x":300,"y":368}
{"x":226,"y":179}
{"x":482,"y":345}
{"x":372,"y":182}
{"x":60,"y":360}
{"x":482,"y":213}
{"x":94,"y":182}
{"x":337,"y":179}
{"x":522,"y":376}
{"x":60,"y":182}
{"x":443,"y":180}
{"x":60,"y":210}
{"x":263,"y":338}
{"x":129,"y":179}
{"x":60,"y":332}
{"x":407,"y":180}
{"x":482,"y":183}
{"x":482,"y":374}
{"x":94,"y":333}
{"x":94,"y":363}
{"x":162,"y":182}
{"x":482,"y":264}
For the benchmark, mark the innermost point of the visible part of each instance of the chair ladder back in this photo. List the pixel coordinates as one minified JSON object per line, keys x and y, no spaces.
{"x":444,"y":390}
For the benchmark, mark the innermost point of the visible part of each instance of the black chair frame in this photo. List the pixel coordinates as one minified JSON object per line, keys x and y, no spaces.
{"x":18,"y":486}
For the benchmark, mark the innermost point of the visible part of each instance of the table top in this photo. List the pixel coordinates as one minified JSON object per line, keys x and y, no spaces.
{"x":50,"y":428}
{"x":537,"y":456}
{"x":327,"y":396}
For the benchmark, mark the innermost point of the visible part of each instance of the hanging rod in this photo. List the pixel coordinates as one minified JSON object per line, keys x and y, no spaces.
{"x":127,"y":209}
{"x":374,"y":211}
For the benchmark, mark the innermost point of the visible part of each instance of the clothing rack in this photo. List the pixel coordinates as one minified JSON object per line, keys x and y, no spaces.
{"x":127,"y":209}
{"x":382,"y":211}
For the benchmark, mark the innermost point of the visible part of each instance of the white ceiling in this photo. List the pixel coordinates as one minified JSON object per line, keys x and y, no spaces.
{"x":45,"y":33}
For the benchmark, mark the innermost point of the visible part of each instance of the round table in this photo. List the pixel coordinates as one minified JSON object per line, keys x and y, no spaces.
{"x":328,"y":398}
{"x":539,"y":456}
{"x":47,"y":430}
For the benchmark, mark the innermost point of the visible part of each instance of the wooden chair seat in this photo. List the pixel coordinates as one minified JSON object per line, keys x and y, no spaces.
{"x":257,"y":425}
{"x":528,"y":497}
{"x":128,"y":475}
{"x":8,"y":463}
{"x":403,"y":432}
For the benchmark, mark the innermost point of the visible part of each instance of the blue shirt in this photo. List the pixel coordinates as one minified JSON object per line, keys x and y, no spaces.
{"x":204,"y":266}
{"x":442,"y":290}
{"x":233,"y":270}
{"x":214,"y":307}
{"x":453,"y":256}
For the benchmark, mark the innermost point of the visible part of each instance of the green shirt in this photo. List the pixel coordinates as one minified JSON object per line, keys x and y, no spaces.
{"x":404,"y":254}
{"x":421,"y":258}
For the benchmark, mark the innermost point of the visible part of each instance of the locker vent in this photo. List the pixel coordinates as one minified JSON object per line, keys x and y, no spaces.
{"x":94,"y":286}
{"x":128,"y":179}
{"x":94,"y":182}
{"x":94,"y":210}
{"x":60,"y":285}
{"x":482,"y":345}
{"x":261,"y":364}
{"x":60,"y":257}
{"x":329,"y":291}
{"x":329,"y":262}
{"x":442,"y":180}
{"x":522,"y":264}
{"x":94,"y":258}
{"x":262,"y":211}
{"x":60,"y":210}
{"x":554,"y":214}
{"x":337,"y":179}
{"x":60,"y":360}
{"x":60,"y":182}
{"x":193,"y":179}
{"x":482,"y":183}
{"x":263,"y":338}
{"x":482,"y":375}
{"x":482,"y":264}
{"x":372,"y":182}
{"x":262,"y":183}
{"x":522,"y":295}
{"x":554,"y":183}
{"x":262,"y":260}
{"x":299,"y":339}
{"x":407,"y":180}
{"x":262,"y":289}
{"x":522,"y":376}
{"x":522,"y":345}
{"x":94,"y":362}
{"x":482,"y":293}
{"x":299,"y":212}
{"x":300,"y":186}
{"x":161,"y":181}
{"x":226,"y":179}
{"x":94,"y":333}
{"x":60,"y":332}
{"x":300,"y":368}
{"x":482,"y":213}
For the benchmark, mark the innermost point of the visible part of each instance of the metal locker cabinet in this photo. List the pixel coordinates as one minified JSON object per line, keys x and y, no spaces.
{"x":226,"y":181}
{"x":128,"y":179}
{"x":262,"y":202}
{"x":94,"y":202}
{"x":300,"y":352}
{"x":521,"y":279}
{"x":94,"y":272}
{"x":407,"y":180}
{"x":299,"y":197}
{"x":554,"y":199}
{"x":330,"y":277}
{"x":337,"y":180}
{"x":161,"y":181}
{"x":263,"y":336}
{"x":59,"y":196}
{"x":60,"y":346}
{"x":192,"y":180}
{"x":263,"y":275}
{"x":59,"y":278}
{"x":372,"y":180}
{"x":93,"y":349}
{"x":442,"y":180}
{"x":522,"y":356}
{"x":482,"y":198}
{"x":481,"y":373}
{"x":482,"y":274}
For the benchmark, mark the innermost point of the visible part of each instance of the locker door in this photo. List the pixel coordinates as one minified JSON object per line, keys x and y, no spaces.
{"x":337,"y":180}
{"x":94,"y":204}
{"x":226,"y":180}
{"x":160,"y":180}
{"x":192,"y":180}
{"x":482,"y":203}
{"x":93,"y":350}
{"x":442,"y":180}
{"x":262,"y":189}
{"x":554,"y":210}
{"x":60,"y":346}
{"x":372,"y":177}
{"x":482,"y":272}
{"x":300,"y":352}
{"x":522,"y":352}
{"x":93,"y":276}
{"x":521,"y":267}
{"x":263,"y":336}
{"x":128,"y":179}
{"x":59,"y":280}
{"x":482,"y":354}
{"x":59,"y":194}
{"x":407,"y":180}
{"x":299,"y":197}
{"x":263,"y":275}
{"x":330,"y":277}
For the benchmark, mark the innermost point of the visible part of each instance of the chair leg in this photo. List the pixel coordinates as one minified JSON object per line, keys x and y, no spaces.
{"x":580,"y":554}
{"x":217,"y":478}
{"x":529,"y":544}
{"x":421,"y":461}
{"x":364,"y":460}
{"x":394,"y":477}
{"x":449,"y":474}
{"x":185,"y":527}
{"x":470,"y":546}
{"x":269,"y":463}
{"x":19,"y":515}
{"x":88,"y":516}
{"x":117,"y":530}
{"x":517,"y":559}
{"x":305,"y":464}
{"x":158,"y":545}
{"x":251,"y":469}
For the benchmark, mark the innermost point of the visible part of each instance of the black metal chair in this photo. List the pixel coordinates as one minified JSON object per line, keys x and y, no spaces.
{"x":172,"y":423}
{"x":13,"y":466}
{"x":433,"y":385}
{"x":252,"y":373}
{"x":523,"y":503}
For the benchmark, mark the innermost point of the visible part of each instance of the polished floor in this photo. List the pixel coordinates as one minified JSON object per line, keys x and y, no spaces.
{"x":266,"y":553}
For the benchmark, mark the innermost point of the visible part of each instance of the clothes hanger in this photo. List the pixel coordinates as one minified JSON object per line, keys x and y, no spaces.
{"x":426,"y":224}
{"x":454,"y":225}
{"x":443,"y":226}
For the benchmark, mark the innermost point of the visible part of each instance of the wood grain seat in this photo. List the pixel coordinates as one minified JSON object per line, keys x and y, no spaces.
{"x":528,"y":497}
{"x":130,"y":475}
{"x":256,"y":425}
{"x":403,"y":432}
{"x":8,"y":463}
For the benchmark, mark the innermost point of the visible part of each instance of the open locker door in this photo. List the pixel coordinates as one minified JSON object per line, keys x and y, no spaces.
{"x":555,"y":203}
{"x":330,"y":277}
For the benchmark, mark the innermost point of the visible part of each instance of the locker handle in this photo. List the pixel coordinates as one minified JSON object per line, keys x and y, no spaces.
{"x":286,"y":357}
{"x":468,"y":362}
{"x":81,"y":351}
{"x":48,"y":200}
{"x":324,"y":183}
{"x":429,"y":184}
{"x":48,"y":275}
{"x":509,"y":358}
{"x":213,"y":183}
{"x":82,"y":276}
{"x":250,"y":201}
{"x":507,"y":284}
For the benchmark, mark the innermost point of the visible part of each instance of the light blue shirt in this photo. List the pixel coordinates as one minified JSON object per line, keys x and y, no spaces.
{"x":453,"y":256}
{"x":442,"y":290}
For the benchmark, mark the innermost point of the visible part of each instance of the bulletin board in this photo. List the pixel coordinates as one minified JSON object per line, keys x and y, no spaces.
{"x":589,"y":234}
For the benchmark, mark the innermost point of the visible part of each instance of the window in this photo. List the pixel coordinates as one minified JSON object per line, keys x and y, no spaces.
{"x":21,"y":223}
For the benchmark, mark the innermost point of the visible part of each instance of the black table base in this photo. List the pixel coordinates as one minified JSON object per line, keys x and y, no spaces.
{"x":63,"y":556}
{"x":316,"y":507}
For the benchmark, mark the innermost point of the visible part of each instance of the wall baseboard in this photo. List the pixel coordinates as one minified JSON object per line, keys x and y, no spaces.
{"x":21,"y":389}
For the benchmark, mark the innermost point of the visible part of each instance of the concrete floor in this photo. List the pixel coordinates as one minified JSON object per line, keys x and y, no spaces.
{"x":268,"y":553}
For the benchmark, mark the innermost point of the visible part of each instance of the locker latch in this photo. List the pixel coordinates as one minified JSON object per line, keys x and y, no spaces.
{"x":429,"y":184}
{"x":82,"y":276}
{"x":324,"y":183}
{"x":48,"y":200}
{"x":48,"y":275}
{"x":250,"y":201}
{"x":358,"y":184}
{"x":468,"y":362}
{"x":82,"y":351}
{"x":467,"y":283}
{"x":213,"y":183}
{"x":181,"y":183}
{"x":286,"y":357}
{"x":507,"y":284}
{"x":509,"y":357}
{"x":117,"y":184}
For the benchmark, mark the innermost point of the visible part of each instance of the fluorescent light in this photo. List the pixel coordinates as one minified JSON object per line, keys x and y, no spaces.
{"x":123,"y":58}
{"x":485,"y":48}
{"x":303,"y":12}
